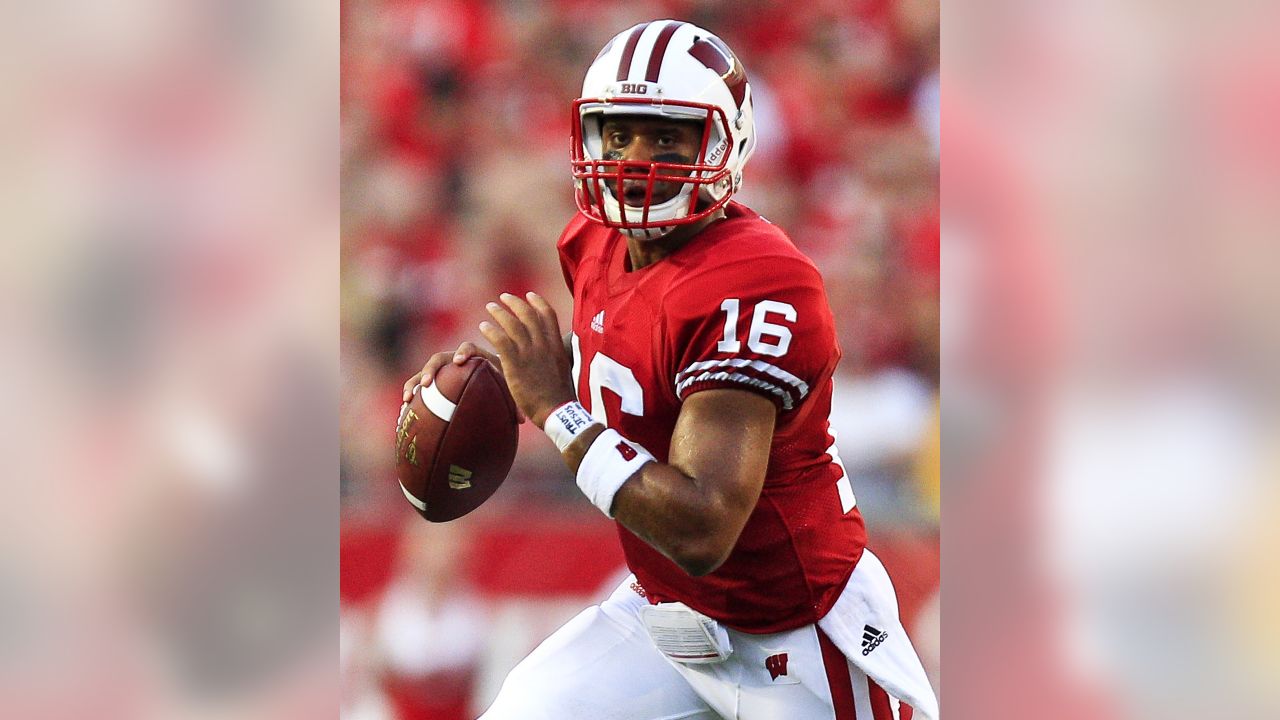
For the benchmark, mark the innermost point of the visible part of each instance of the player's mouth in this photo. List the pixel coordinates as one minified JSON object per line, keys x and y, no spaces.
{"x":634,"y":192}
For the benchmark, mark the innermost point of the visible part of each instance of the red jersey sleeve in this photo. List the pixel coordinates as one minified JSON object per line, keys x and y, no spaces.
{"x":761,"y":324}
{"x":570,"y":247}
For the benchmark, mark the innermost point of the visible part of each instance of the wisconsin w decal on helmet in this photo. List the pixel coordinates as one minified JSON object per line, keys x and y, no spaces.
{"x":670,"y":69}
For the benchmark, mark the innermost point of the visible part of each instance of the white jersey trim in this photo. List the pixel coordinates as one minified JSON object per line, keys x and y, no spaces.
{"x":758,"y":365}
{"x":719,"y":370}
{"x":787,"y":402}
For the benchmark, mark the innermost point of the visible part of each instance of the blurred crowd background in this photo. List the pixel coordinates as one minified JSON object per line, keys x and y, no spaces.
{"x":1110,"y":356}
{"x":455,"y":185}
{"x":168,"y":339}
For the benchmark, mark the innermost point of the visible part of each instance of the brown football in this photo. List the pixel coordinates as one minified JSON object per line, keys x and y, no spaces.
{"x":455,"y":440}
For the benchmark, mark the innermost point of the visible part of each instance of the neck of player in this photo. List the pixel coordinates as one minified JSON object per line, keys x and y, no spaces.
{"x":644,"y":253}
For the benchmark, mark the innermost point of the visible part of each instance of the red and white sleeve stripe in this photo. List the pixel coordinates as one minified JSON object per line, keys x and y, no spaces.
{"x":788,"y":389}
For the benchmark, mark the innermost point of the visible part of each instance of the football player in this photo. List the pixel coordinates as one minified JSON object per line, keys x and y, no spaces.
{"x":691,"y":399}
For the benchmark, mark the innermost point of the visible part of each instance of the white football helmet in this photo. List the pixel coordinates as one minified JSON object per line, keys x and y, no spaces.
{"x":676,"y":70}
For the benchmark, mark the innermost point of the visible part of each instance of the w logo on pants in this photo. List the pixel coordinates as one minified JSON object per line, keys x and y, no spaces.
{"x":776,"y":665}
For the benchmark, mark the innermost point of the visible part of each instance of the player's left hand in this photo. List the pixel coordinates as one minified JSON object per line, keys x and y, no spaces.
{"x":526,"y":335}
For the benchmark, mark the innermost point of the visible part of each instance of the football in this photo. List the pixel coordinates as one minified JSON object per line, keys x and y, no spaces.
{"x":455,"y":440}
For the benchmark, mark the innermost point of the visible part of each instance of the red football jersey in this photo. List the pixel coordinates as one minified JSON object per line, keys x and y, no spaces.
{"x":737,"y":307}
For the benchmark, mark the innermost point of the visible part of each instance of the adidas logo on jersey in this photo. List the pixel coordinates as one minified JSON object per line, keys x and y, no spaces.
{"x":871,"y":639}
{"x":597,"y":322}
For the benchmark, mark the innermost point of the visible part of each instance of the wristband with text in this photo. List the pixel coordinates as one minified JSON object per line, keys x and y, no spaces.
{"x":567,"y":422}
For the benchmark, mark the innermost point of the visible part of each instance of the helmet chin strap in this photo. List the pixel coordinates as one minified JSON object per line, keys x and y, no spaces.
{"x":651,"y":233}
{"x":682,"y":196}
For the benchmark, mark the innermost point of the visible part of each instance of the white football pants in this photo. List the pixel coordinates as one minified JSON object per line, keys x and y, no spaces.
{"x":602,"y":665}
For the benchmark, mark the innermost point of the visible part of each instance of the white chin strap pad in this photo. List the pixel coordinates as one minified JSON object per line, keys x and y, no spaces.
{"x":673,"y":209}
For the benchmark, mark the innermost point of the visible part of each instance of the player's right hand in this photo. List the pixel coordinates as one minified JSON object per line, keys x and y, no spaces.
{"x":465,"y":351}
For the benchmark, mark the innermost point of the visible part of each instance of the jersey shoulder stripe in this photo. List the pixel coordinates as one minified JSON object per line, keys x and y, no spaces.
{"x":784,"y":398}
{"x":758,"y":365}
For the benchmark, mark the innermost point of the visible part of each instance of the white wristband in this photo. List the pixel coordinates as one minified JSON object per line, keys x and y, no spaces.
{"x":610,"y":461}
{"x":566,"y":423}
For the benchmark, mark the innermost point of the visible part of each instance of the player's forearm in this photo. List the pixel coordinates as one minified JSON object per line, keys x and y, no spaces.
{"x":686,"y":520}
{"x":682,"y":518}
